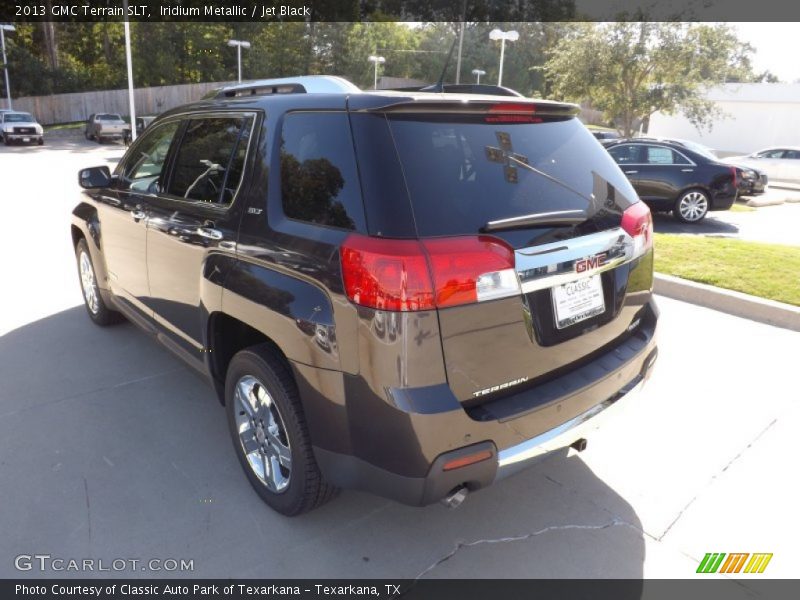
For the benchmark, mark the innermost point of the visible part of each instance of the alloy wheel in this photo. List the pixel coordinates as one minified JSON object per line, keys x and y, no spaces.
{"x":88,"y":283}
{"x":262,"y":434}
{"x":693,"y":206}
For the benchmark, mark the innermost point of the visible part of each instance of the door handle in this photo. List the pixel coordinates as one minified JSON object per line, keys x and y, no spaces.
{"x":138,"y":214}
{"x":630,"y":172}
{"x":687,"y":170}
{"x":208,"y":232}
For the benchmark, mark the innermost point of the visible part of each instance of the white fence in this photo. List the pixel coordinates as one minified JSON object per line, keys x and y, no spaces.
{"x":67,"y":108}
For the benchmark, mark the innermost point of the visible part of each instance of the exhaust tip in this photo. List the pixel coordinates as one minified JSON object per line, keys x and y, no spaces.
{"x":579,"y":445}
{"x":455,"y":498}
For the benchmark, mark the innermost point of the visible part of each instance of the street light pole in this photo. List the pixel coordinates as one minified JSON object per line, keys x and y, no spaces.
{"x":131,"y":103}
{"x":478,"y":73}
{"x":376,"y":60}
{"x":511,"y":36}
{"x":239,"y":44}
{"x":3,"y":29}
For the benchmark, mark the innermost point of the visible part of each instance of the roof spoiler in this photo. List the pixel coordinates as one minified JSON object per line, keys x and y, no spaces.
{"x":462,"y":88}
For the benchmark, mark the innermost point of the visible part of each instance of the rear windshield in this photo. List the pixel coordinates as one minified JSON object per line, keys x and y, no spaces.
{"x":109,"y":118}
{"x":463,"y":172}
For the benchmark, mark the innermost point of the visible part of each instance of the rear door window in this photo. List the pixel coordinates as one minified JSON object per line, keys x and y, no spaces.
{"x":210,"y":160}
{"x":462,"y":172}
{"x":319,"y":178}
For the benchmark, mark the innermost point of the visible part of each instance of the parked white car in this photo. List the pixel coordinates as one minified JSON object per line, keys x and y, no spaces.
{"x":20,"y":127}
{"x":781,"y":164}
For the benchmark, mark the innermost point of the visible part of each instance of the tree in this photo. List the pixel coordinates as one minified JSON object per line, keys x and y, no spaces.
{"x":631,"y":70}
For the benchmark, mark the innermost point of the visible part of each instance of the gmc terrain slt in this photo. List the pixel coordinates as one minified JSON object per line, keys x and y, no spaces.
{"x":412,"y":293}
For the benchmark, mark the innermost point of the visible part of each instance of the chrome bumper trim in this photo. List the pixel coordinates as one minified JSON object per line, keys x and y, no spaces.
{"x":514,"y":458}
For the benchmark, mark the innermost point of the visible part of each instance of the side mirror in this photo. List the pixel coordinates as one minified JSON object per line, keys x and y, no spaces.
{"x":94,"y":177}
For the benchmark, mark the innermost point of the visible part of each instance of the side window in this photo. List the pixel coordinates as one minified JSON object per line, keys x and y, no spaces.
{"x":319,"y":179}
{"x":210,"y":160}
{"x":142,"y":172}
{"x":659,"y":155}
{"x":793,"y":154}
{"x":772,"y":154}
{"x":625,"y":154}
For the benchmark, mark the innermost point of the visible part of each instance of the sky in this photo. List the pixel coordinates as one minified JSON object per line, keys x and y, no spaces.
{"x":776,"y":47}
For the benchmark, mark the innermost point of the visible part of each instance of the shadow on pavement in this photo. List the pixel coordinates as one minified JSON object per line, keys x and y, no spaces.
{"x":112,"y":448}
{"x":666,"y":223}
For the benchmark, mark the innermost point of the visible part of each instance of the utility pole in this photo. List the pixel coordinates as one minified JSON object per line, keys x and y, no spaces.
{"x":3,"y":29}
{"x":131,"y":103}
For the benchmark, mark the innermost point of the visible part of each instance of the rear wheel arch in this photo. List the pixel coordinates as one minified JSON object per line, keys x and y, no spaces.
{"x":228,"y":335}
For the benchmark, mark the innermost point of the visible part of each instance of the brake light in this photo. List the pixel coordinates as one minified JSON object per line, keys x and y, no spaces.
{"x":735,"y":180}
{"x":471,"y":269}
{"x":511,"y":112}
{"x":508,"y":108}
{"x":386,"y":274}
{"x":638,"y":223}
{"x":409,"y":275}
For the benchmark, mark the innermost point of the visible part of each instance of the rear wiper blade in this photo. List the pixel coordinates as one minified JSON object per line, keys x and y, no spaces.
{"x":555,"y":180}
{"x":559,"y":217}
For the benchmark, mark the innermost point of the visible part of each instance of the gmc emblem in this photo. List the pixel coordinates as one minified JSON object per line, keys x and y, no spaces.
{"x":591,"y":262}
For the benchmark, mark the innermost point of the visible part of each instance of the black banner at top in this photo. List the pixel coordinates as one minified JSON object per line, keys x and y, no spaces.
{"x":266,"y":11}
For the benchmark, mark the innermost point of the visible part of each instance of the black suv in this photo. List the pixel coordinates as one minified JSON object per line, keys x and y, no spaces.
{"x":671,"y":176}
{"x":410,"y":293}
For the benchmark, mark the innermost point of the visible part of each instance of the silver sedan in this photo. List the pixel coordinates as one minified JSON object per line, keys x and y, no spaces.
{"x":781,"y":164}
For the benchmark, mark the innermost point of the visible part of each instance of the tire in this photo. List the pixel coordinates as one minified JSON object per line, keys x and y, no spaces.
{"x":98,"y":139}
{"x":293,"y":484}
{"x":86,"y":135}
{"x":40,"y":142}
{"x":97,"y":309}
{"x":691,"y":206}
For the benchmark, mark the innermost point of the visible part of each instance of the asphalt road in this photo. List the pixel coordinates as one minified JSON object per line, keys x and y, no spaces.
{"x":111,"y":448}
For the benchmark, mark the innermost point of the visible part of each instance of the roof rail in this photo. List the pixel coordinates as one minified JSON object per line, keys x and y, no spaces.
{"x":304,"y":84}
{"x":463,"y":88}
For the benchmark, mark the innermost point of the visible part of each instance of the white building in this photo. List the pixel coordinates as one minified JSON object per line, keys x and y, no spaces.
{"x":756,"y":115}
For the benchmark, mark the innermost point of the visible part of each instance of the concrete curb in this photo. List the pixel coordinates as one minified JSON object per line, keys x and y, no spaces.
{"x":729,"y":301}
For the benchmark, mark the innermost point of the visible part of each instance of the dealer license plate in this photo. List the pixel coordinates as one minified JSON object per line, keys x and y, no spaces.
{"x":578,"y":300}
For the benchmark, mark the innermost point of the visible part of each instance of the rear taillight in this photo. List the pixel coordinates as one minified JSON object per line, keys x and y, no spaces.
{"x":735,"y":179}
{"x":386,"y":274}
{"x":471,"y":269}
{"x":638,"y":223}
{"x":408,"y":275}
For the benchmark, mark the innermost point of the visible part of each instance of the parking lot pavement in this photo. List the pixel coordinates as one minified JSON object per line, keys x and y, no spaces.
{"x":771,"y":224}
{"x":111,"y":448}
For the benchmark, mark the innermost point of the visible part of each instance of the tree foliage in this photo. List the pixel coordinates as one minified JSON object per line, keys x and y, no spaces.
{"x":74,"y":57}
{"x":631,"y":70}
{"x":626,"y":70}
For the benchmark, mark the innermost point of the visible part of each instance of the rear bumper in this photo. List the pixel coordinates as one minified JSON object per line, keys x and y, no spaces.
{"x":516,"y":458}
{"x":414,"y":440}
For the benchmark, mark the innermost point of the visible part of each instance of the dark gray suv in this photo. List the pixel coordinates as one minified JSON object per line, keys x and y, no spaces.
{"x":410,"y":293}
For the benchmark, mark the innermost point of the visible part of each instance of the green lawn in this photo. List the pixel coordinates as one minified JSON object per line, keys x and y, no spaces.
{"x":57,"y":126}
{"x":767,"y":270}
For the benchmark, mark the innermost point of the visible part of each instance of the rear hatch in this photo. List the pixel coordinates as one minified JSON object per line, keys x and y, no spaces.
{"x":539,"y":252}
